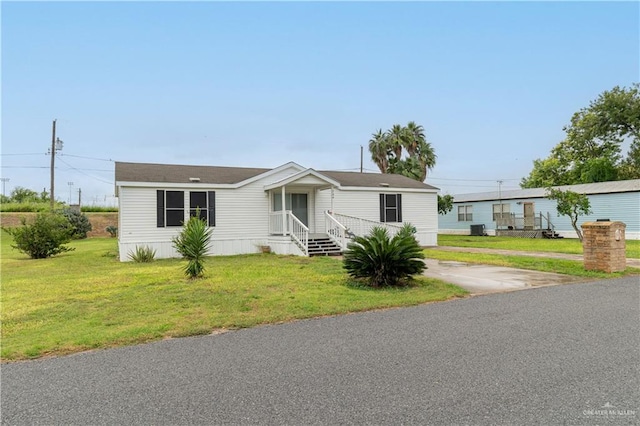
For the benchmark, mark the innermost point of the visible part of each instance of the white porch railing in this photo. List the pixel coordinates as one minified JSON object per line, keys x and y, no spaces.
{"x":297,"y":230}
{"x":299,"y":233}
{"x":356,"y":226}
{"x":336,"y":231}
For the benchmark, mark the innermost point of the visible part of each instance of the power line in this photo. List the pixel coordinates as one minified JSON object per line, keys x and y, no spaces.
{"x":86,"y":174}
{"x":33,"y":153}
{"x":88,"y":158}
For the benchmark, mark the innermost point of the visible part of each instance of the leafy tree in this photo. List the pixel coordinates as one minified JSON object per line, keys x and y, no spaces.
{"x":44,"y":237}
{"x":592,"y":148}
{"x":79,"y":223}
{"x":193,"y":243}
{"x":570,"y":204}
{"x":403,"y":150}
{"x":384,"y":261}
{"x":630,"y":166}
{"x":445,"y":204}
{"x":24,"y":195}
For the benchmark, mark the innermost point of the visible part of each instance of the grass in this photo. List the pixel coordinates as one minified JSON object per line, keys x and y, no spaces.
{"x":562,"y":245}
{"x":559,"y":266}
{"x":87,"y":299}
{"x":34,"y":207}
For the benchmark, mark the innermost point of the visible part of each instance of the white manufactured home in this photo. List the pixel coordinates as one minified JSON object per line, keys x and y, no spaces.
{"x":322,"y":210}
{"x":528,"y":212}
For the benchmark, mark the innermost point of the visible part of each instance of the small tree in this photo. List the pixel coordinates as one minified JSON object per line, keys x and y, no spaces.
{"x":44,"y":237}
{"x":445,"y":204}
{"x":193,"y":244}
{"x":384,"y":261}
{"x":570,"y":204}
{"x":79,"y":222}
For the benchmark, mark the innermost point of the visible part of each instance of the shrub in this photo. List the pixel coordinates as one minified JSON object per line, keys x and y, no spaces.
{"x":79,"y":223}
{"x":98,"y":209}
{"x":26,"y":207}
{"x":142,"y":254}
{"x":112,"y":230}
{"x":44,"y":237}
{"x":385,"y":261}
{"x":193,"y":244}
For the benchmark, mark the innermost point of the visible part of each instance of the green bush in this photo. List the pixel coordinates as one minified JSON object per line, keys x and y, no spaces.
{"x":112,"y":230}
{"x":44,"y":237}
{"x":384,"y":261}
{"x":193,"y":244}
{"x":79,"y":222}
{"x":142,"y":254}
{"x":27,"y":207}
{"x":98,"y":209}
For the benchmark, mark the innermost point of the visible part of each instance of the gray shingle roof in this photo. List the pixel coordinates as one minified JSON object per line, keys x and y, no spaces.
{"x":585,"y":188}
{"x":374,"y":180}
{"x":173,"y":173}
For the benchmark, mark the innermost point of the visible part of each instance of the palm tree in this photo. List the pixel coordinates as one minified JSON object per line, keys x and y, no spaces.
{"x":414,"y":135}
{"x":379,"y":149}
{"x":427,"y":158}
{"x":397,"y":138}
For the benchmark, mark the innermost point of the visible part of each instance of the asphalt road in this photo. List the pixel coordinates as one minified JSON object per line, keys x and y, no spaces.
{"x":567,"y":354}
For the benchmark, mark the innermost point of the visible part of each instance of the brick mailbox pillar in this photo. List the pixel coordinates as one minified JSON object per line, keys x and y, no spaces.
{"x":604,"y":246}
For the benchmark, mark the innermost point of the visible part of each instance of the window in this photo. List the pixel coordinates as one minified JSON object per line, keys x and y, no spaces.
{"x":501,"y":211}
{"x":465,"y":213}
{"x":170,"y":207}
{"x":390,"y":207}
{"x":205,"y":203}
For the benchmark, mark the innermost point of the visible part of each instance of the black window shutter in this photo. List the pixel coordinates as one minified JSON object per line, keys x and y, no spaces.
{"x":160,"y":208}
{"x":212,"y":208}
{"x":382,"y":208}
{"x":399,"y":206}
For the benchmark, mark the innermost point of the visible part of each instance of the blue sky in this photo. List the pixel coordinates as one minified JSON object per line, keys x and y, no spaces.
{"x":261,"y":84}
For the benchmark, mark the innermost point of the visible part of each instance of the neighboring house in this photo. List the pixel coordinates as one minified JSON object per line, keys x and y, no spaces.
{"x":322,"y":209}
{"x":528,"y":211}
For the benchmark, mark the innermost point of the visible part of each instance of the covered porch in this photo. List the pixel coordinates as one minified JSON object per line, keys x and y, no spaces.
{"x":294,"y":216}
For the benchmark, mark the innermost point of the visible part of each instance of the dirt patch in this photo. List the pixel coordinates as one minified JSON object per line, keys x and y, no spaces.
{"x":99,"y":221}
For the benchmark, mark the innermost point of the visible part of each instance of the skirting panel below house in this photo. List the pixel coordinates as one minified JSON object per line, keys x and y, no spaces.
{"x":165,"y":249}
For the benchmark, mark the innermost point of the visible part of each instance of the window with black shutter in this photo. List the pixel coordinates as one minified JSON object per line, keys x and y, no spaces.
{"x":390,"y":207}
{"x":169,"y":208}
{"x":204,"y":204}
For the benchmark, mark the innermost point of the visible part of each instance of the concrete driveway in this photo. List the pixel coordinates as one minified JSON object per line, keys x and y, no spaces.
{"x":480,"y":279}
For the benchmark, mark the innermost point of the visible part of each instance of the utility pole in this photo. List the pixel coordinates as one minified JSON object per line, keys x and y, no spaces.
{"x":70,"y":191}
{"x":4,"y":181}
{"x":79,"y":196}
{"x":56,"y":145}
{"x":361,"y":156}
{"x":500,"y":196}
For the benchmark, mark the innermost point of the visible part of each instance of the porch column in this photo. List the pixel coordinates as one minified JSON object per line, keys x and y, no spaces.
{"x":284,"y":212}
{"x":332,"y":200}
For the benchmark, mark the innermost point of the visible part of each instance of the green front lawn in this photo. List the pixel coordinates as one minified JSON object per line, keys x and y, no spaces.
{"x":561,"y":245}
{"x":87,"y":299}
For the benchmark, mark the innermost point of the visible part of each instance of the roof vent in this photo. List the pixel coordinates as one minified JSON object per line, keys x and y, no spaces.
{"x":194,"y":179}
{"x":386,"y":185}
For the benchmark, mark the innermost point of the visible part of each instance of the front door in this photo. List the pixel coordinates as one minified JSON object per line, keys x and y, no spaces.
{"x":297,"y":203}
{"x":299,"y":207}
{"x":529,"y":216}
